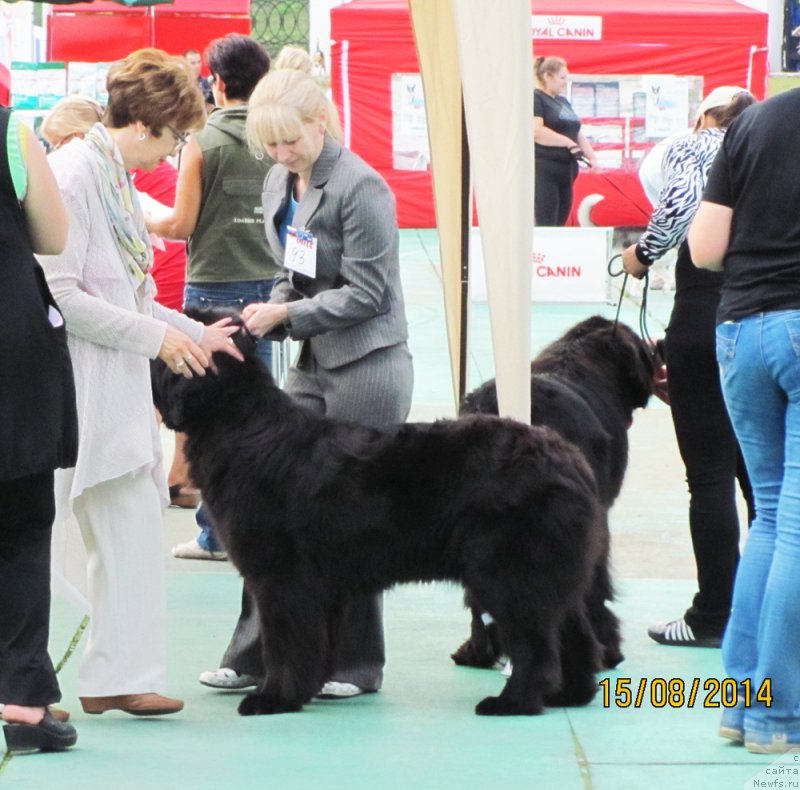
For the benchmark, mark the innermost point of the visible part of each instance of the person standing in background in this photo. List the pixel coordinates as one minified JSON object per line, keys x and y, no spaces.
{"x":218,"y":209}
{"x":195,"y":62}
{"x":558,"y":141}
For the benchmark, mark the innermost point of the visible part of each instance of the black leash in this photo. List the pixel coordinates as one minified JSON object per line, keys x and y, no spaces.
{"x":643,"y":331}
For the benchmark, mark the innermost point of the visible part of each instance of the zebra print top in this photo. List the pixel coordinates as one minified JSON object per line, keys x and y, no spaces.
{"x":686,"y":165}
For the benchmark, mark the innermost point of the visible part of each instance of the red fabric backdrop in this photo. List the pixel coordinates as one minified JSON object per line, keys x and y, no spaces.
{"x":105,"y":31}
{"x":712,"y":38}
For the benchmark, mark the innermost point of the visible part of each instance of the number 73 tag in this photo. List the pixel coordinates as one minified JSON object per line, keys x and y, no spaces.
{"x":301,"y":252}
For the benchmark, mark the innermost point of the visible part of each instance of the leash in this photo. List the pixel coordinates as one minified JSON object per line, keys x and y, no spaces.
{"x":643,"y":330}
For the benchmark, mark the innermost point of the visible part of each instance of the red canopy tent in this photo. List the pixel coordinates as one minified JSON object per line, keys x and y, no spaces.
{"x":105,"y":31}
{"x":720,"y":40}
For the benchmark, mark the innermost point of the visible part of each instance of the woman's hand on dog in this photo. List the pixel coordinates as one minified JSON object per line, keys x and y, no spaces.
{"x":182,"y":355}
{"x":262,"y":317}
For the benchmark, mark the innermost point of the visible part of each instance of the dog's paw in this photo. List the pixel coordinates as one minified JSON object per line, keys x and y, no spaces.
{"x":503,"y":706}
{"x":468,"y":656}
{"x":255,"y":704}
{"x":571,"y":697}
{"x":612,"y":657}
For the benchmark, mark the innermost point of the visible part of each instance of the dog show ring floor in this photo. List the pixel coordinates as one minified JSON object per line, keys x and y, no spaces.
{"x":420,"y":731}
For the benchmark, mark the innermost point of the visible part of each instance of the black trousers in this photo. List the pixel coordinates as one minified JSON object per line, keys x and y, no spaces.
{"x":708,"y":448}
{"x":26,"y":672}
{"x":553,"y":191}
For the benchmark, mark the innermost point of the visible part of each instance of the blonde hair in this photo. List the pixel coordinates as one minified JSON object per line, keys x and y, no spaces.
{"x":551,"y":66}
{"x":70,"y":117}
{"x":282,"y":102}
{"x":155,"y":88}
{"x":293,"y":58}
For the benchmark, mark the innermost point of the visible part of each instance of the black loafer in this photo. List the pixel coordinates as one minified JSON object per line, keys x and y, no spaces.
{"x":49,"y":735}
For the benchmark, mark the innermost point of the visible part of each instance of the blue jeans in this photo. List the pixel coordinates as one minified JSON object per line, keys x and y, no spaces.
{"x":759,"y":359}
{"x":235,"y":295}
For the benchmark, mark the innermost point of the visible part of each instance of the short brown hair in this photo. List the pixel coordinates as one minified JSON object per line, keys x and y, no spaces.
{"x":155,"y":88}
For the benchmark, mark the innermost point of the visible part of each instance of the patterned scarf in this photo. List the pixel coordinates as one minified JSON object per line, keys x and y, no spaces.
{"x":121,"y":203}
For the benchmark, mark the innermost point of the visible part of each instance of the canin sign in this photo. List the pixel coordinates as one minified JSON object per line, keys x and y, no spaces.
{"x":573,"y":28}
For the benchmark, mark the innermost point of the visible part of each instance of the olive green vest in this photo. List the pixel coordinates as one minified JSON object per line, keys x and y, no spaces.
{"x":229,"y":243}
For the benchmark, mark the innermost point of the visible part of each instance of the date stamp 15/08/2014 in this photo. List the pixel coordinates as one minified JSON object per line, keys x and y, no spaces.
{"x":680,"y":693}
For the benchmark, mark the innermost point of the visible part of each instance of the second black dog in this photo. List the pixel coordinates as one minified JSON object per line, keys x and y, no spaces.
{"x":586,"y":386}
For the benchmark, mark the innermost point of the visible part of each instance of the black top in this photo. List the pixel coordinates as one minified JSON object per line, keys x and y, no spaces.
{"x":557,"y":114}
{"x":754,"y":175}
{"x":39,"y":425}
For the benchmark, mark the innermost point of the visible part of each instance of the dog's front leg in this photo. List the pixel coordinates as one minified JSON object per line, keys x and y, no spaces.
{"x":294,"y":645}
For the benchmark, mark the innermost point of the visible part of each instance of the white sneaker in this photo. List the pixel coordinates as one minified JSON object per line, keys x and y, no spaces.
{"x":225,"y":678}
{"x":194,"y":551}
{"x":333,"y":689}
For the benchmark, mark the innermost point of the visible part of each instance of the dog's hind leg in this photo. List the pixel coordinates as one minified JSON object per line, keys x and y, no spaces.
{"x":482,"y":649}
{"x":535,"y":662}
{"x":604,"y":622}
{"x":294,"y":638}
{"x":580,"y":659}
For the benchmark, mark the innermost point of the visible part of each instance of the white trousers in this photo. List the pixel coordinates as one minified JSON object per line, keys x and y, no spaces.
{"x":121,"y":524}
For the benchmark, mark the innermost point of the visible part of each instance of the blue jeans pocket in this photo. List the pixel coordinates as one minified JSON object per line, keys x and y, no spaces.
{"x":727,"y":335}
{"x":793,"y":330}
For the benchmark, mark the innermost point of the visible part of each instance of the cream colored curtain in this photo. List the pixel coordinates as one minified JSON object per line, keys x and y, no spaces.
{"x":435,"y":34}
{"x":495,"y":64}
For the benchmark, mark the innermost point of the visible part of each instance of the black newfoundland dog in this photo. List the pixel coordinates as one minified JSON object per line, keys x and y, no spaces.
{"x":315,"y":512}
{"x":586,"y":386}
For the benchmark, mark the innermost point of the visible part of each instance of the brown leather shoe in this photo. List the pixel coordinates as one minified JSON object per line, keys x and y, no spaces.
{"x":135,"y":704}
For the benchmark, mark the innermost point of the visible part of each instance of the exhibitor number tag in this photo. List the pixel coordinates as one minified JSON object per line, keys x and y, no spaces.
{"x":301,"y":251}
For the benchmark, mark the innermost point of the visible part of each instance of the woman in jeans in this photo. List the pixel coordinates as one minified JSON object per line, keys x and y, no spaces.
{"x":747,"y":225}
{"x":218,"y":209}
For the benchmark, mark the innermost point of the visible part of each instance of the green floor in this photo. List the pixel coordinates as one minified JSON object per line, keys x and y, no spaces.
{"x":420,"y":731}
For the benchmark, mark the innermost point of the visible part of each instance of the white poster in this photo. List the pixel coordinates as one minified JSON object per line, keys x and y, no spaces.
{"x":409,"y":123}
{"x":567,"y":265}
{"x":666,"y":104}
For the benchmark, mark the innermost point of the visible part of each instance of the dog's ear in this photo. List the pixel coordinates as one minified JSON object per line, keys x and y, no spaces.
{"x":166,"y":394}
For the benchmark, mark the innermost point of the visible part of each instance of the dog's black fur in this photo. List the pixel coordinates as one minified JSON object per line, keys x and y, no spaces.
{"x":586,"y":386}
{"x":315,"y":512}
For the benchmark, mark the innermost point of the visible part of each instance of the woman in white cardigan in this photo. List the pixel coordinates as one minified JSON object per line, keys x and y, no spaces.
{"x":101,"y":282}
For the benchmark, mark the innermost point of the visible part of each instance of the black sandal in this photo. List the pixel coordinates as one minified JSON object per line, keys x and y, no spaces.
{"x":49,"y":735}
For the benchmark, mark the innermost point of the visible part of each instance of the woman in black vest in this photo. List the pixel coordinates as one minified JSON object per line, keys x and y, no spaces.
{"x":559,"y":143}
{"x":38,"y":433}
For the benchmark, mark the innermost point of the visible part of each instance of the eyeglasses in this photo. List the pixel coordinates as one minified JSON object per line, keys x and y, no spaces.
{"x":181,"y":138}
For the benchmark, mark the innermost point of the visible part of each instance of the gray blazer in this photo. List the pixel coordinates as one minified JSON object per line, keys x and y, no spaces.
{"x":355,"y":303}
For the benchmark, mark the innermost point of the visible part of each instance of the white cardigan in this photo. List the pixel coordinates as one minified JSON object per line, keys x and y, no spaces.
{"x":114,"y":327}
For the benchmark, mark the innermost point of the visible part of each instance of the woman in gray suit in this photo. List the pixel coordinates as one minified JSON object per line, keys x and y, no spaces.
{"x":330,"y":218}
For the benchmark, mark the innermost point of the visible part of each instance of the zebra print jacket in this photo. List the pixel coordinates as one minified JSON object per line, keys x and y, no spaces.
{"x":686,"y":165}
